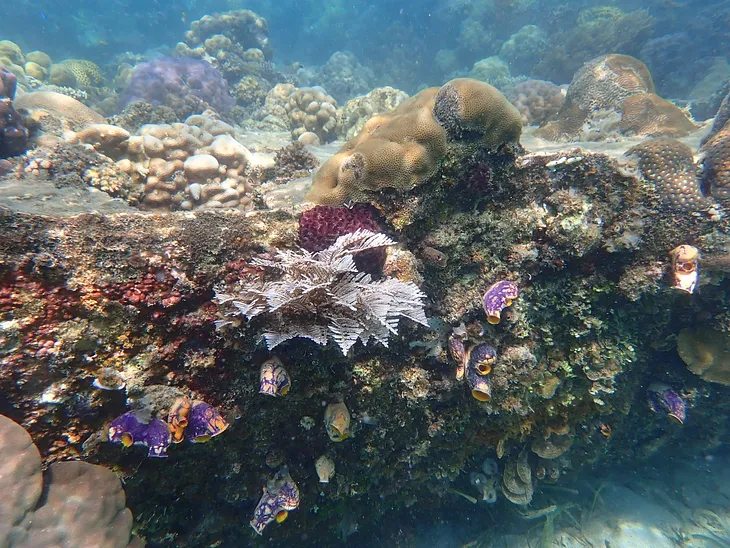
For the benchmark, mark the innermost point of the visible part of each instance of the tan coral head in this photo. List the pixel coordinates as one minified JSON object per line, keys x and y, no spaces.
{"x":685,"y":267}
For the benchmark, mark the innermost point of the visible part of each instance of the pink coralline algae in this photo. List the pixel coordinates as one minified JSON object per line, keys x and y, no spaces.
{"x":663,"y":399}
{"x":130,"y":430}
{"x":499,"y":296}
{"x":13,"y":135}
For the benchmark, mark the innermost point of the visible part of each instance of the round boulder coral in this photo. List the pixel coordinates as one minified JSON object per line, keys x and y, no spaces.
{"x":615,"y":94}
{"x":537,"y":100}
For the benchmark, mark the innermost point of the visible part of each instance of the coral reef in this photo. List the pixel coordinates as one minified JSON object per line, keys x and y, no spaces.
{"x":705,"y":351}
{"x":312,"y":110}
{"x":597,"y":30}
{"x":76,"y":73}
{"x":615,"y":94}
{"x":187,"y":86}
{"x":402,"y":149}
{"x":537,"y":100}
{"x":343,"y":76}
{"x":243,"y":27}
{"x":359,"y":110}
{"x":524,"y":49}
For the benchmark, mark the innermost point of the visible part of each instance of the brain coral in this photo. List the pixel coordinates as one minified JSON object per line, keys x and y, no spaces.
{"x":401,"y":149}
{"x":187,"y":86}
{"x":615,"y":93}
{"x":243,"y":27}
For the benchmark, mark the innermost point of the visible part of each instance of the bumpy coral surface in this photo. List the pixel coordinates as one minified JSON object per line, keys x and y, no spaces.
{"x":312,"y":110}
{"x":402,"y":149}
{"x":188,"y":86}
{"x":537,"y":100}
{"x":615,"y":94}
{"x":76,"y":73}
{"x":244,"y":27}
{"x":359,"y":110}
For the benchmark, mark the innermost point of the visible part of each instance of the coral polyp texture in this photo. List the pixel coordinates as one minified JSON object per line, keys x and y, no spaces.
{"x":402,"y":149}
{"x":614,"y":95}
{"x":312,"y":110}
{"x":243,"y":27}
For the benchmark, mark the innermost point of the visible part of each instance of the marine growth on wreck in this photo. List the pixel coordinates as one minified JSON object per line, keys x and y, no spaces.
{"x":288,"y":273}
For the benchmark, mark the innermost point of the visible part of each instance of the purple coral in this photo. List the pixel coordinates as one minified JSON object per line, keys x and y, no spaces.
{"x":186,"y":85}
{"x":497,"y":297}
{"x":13,"y":135}
{"x":663,"y":398}
{"x":128,"y":430}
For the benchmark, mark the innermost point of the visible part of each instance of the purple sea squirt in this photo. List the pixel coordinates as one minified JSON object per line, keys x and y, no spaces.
{"x":281,"y":496}
{"x":479,"y":383}
{"x":664,"y":399}
{"x":481,"y":358}
{"x":204,"y":423}
{"x":499,"y":296}
{"x":129,"y":430}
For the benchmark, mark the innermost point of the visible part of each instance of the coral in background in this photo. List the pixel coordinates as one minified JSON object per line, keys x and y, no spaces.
{"x":312,"y":110}
{"x":615,"y":94}
{"x":598,"y":30}
{"x":359,"y":110}
{"x":524,"y":49}
{"x":493,"y":71}
{"x":76,"y":73}
{"x":187,"y":86}
{"x":537,"y":100}
{"x":323,"y":296}
{"x":243,"y":27}
{"x":343,"y":76}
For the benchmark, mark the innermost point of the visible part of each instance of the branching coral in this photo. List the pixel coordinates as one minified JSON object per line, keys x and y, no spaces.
{"x":323,"y":296}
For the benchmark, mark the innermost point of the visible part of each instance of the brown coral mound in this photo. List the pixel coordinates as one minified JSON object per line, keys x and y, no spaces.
{"x":669,"y":165}
{"x":401,"y":149}
{"x":467,"y":107}
{"x":615,"y":84}
{"x":706,"y":352}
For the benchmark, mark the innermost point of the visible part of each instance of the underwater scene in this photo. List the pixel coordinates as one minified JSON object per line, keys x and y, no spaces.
{"x":418,"y":274}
